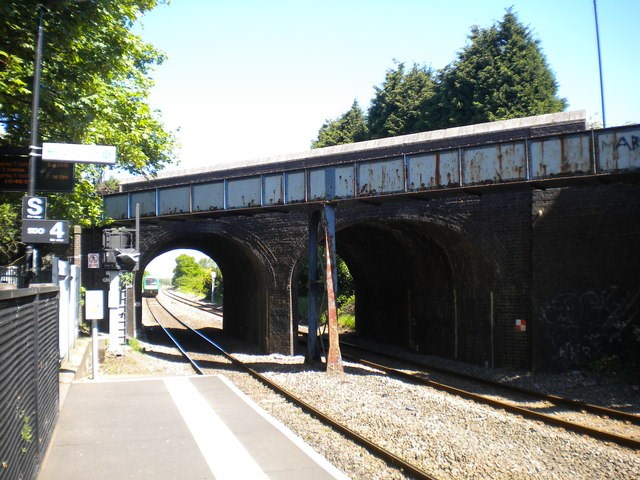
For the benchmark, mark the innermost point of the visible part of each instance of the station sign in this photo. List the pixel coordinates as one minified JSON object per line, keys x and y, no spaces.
{"x":45,"y":231}
{"x":34,"y":208}
{"x":78,"y":153}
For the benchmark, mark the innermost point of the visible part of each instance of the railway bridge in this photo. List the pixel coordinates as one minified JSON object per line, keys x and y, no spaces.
{"x":512,"y":243}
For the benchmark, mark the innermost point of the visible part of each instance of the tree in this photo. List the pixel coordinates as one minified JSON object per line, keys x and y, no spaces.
{"x":195,"y":277}
{"x":9,"y":232}
{"x":349,"y":128}
{"x":501,"y":74}
{"x":186,"y":267}
{"x":95,"y":87}
{"x":95,"y":79}
{"x":400,"y":105}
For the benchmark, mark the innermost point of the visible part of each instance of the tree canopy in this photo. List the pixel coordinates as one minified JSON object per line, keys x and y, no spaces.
{"x":195,"y":277}
{"x":501,"y":74}
{"x":399,"y":105}
{"x":95,"y":78}
{"x":350,"y":127}
{"x":94,"y":90}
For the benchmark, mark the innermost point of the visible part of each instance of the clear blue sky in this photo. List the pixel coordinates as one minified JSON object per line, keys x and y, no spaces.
{"x":247,"y":79}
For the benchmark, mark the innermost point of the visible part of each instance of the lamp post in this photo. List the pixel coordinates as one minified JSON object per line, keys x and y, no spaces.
{"x":35,"y":150}
{"x":32,"y":262}
{"x":32,"y":267}
{"x":595,"y":12}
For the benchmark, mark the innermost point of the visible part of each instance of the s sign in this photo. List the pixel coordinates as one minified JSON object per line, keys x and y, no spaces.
{"x":34,"y":208}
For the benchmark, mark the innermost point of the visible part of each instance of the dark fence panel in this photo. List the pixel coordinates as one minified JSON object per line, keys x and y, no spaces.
{"x":29,"y":394}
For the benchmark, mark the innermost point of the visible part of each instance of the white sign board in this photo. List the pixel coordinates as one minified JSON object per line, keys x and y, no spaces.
{"x":69,"y":152}
{"x":94,"y":304}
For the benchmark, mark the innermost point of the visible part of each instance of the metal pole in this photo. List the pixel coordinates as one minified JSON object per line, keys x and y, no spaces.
{"x":595,"y":12}
{"x":94,"y":349}
{"x":35,"y":149}
{"x":31,"y":267}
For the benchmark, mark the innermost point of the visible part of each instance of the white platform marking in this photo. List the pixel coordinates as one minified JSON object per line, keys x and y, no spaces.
{"x":224,"y":454}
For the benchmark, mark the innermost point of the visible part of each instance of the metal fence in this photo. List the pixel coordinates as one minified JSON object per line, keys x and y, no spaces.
{"x":10,"y":275}
{"x":29,"y":361}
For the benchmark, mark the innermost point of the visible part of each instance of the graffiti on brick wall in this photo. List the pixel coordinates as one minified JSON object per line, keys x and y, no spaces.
{"x":581,"y":327}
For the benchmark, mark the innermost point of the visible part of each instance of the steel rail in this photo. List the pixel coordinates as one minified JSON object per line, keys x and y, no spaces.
{"x":556,"y":399}
{"x":524,"y":412}
{"x":175,"y":341}
{"x":192,"y":303}
{"x":389,"y":457}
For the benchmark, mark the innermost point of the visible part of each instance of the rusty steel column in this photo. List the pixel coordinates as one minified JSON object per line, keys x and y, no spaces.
{"x":334,"y":358}
{"x":313,"y":352}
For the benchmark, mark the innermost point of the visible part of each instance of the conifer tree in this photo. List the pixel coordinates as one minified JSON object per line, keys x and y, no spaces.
{"x":350,"y":127}
{"x":399,"y":106}
{"x":501,"y":74}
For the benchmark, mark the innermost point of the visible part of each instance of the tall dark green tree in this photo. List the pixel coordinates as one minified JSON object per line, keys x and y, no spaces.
{"x":399,"y":106}
{"x":350,"y":127}
{"x":95,"y":88}
{"x":501,"y":74}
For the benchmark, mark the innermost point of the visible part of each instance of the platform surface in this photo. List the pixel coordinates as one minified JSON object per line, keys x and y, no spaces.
{"x":173,"y":428}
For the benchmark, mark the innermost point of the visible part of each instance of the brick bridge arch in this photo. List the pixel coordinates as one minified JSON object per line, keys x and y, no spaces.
{"x":245,"y":262}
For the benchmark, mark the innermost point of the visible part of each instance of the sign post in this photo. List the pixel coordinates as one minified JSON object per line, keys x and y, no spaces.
{"x":94,"y":312}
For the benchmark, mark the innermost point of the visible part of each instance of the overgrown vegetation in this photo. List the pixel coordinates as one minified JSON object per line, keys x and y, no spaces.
{"x":134,"y":343}
{"x":345,"y":300}
{"x":26,"y":433}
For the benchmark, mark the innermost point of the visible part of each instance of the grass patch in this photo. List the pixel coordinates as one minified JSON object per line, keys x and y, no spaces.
{"x":135,"y":345}
{"x":347,"y":321}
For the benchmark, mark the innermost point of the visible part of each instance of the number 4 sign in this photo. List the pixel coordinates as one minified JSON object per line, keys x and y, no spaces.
{"x":45,"y":231}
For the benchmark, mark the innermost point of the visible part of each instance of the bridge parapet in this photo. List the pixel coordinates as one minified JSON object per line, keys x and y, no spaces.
{"x":420,"y":170}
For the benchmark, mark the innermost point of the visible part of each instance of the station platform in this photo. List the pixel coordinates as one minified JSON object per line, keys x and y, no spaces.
{"x":173,"y":428}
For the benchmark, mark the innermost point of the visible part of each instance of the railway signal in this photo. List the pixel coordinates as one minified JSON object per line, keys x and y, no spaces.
{"x":119,"y":250}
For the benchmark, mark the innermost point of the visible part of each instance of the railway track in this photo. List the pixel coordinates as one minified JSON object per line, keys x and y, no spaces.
{"x":606,"y":424}
{"x":524,"y":402}
{"x":205,"y":307}
{"x":167,"y":321}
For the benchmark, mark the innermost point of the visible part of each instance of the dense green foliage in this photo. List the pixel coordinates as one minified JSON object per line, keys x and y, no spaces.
{"x":195,"y":277}
{"x":351,"y":127}
{"x":501,"y":74}
{"x":94,"y":90}
{"x":399,"y":106}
